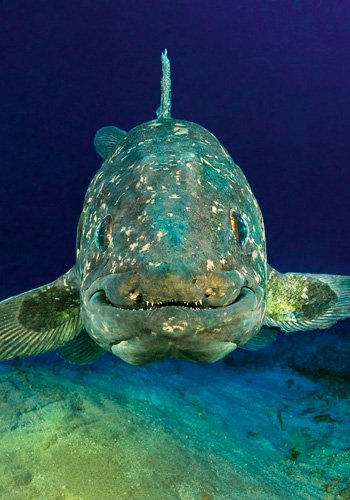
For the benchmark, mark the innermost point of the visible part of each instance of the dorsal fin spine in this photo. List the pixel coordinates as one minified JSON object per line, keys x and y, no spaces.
{"x":165,"y":100}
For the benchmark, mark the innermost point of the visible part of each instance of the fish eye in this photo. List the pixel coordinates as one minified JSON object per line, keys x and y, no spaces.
{"x":239,"y":228}
{"x":103,"y":235}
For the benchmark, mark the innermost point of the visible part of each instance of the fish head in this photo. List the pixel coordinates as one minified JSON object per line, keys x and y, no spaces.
{"x":171,"y":248}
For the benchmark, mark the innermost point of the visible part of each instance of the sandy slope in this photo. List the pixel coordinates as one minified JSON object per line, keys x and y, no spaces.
{"x":266,"y":425}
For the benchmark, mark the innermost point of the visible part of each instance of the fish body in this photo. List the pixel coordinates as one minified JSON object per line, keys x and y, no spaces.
{"x":174,"y":269}
{"x":171,"y":259}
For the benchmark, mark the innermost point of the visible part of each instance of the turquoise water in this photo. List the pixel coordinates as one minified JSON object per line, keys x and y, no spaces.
{"x":269,"y":424}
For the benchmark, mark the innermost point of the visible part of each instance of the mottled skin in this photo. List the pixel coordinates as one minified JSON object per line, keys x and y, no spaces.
{"x":171,"y":260}
{"x":169,"y":188}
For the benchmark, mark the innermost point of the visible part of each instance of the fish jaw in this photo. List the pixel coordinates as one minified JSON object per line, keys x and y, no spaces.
{"x":200,"y":334}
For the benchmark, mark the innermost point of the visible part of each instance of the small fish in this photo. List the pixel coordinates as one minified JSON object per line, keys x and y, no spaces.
{"x":171,"y":259}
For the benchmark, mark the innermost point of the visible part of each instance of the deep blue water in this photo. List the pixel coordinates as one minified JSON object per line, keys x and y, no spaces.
{"x":270,"y":79}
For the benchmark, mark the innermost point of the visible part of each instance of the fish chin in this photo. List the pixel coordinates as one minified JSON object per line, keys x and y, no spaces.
{"x":203,"y":335}
{"x":139,"y":351}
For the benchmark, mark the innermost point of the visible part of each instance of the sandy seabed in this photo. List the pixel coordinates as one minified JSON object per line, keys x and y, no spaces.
{"x":271,"y":424}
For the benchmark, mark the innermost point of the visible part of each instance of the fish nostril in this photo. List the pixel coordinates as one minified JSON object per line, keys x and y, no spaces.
{"x":135,"y":295}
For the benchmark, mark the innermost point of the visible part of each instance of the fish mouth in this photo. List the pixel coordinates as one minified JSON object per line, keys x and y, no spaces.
{"x":99,"y":297}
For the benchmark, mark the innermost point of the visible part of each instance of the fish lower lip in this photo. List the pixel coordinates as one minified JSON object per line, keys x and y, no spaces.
{"x":100,"y":297}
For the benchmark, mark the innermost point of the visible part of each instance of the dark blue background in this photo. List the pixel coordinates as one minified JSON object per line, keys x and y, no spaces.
{"x":271,"y":79}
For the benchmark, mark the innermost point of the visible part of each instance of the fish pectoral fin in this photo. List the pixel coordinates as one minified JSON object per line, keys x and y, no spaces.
{"x":107,"y":139}
{"x":40,"y":320}
{"x":306,"y":301}
{"x":262,"y":339}
{"x":81,"y":350}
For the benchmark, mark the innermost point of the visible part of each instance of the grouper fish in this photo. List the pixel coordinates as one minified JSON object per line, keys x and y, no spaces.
{"x":170,"y":261}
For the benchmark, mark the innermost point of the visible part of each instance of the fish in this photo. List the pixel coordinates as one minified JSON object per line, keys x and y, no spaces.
{"x":170,"y":259}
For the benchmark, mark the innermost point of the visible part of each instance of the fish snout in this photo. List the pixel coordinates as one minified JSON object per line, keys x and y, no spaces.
{"x":156,"y":289}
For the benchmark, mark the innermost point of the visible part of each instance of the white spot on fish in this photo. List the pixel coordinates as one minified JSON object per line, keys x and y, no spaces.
{"x":210,"y":265}
{"x":180,"y":131}
{"x":167,"y":328}
{"x":145,"y":247}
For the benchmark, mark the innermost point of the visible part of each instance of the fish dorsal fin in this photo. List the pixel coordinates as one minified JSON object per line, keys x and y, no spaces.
{"x":164,"y":111}
{"x":107,"y":139}
{"x":298,"y":301}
